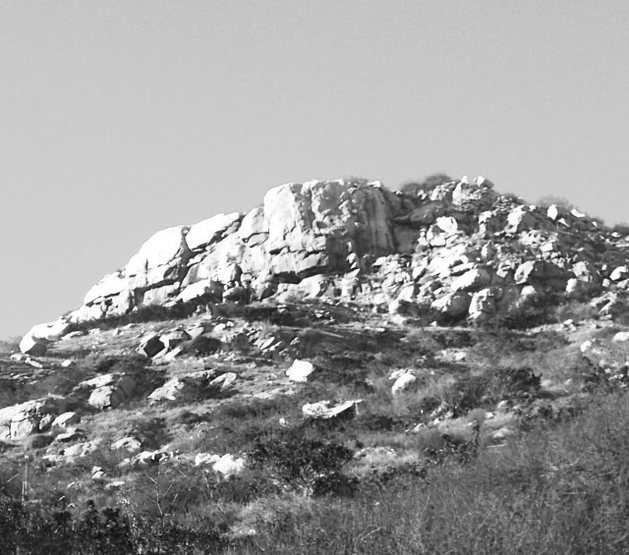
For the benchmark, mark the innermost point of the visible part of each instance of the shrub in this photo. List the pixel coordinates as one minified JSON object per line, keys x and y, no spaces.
{"x":427,"y":184}
{"x":557,"y":490}
{"x":561,"y":202}
{"x":299,"y":461}
{"x":622,"y":228}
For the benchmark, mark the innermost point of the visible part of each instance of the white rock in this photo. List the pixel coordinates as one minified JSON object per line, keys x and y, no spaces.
{"x":206,"y":287}
{"x":482,"y":181}
{"x":577,"y":213}
{"x":30,"y":345}
{"x":621,"y":336}
{"x":476,"y":278}
{"x":453,"y":304}
{"x":128,"y":443}
{"x":205,"y":459}
{"x":210,"y":230}
{"x":162,"y":248}
{"x":448,"y":224}
{"x":228,"y":465}
{"x":50,"y":331}
{"x":109,"y":286}
{"x":98,"y":474}
{"x":552,"y":212}
{"x":520,"y":219}
{"x":466,"y":193}
{"x":314,"y":286}
{"x":253,"y":225}
{"x":300,"y":370}
{"x":403,"y":383}
{"x":322,"y":410}
{"x":502,"y":434}
{"x":619,"y":273}
{"x":483,"y":305}
{"x":225,"y":381}
{"x":70,"y":434}
{"x":65,"y":420}
{"x":109,"y":390}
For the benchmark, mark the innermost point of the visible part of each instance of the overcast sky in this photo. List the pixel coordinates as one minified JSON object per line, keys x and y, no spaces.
{"x":120,"y":118}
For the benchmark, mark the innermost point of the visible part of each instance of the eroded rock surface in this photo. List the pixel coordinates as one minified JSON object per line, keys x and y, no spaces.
{"x":459,"y":251}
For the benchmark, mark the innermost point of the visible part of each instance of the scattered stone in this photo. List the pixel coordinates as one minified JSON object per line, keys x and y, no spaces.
{"x":300,"y":370}
{"x":228,"y":465}
{"x":108,"y":390}
{"x":151,"y":345}
{"x":194,"y":386}
{"x":619,"y":273}
{"x":65,"y":420}
{"x":19,"y":421}
{"x":173,"y":338}
{"x":98,"y":474}
{"x":70,"y":435}
{"x":128,"y":443}
{"x":224,"y":382}
{"x":452,"y":305}
{"x":403,"y":382}
{"x":205,"y":459}
{"x":324,"y":411}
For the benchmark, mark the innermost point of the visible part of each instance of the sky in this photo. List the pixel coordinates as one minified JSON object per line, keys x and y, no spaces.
{"x":119,"y":118}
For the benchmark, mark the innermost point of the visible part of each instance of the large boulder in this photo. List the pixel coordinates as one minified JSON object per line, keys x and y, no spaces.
{"x":452,"y":305}
{"x":300,"y":370}
{"x":194,"y":387}
{"x":34,"y":346}
{"x":107,"y":390}
{"x":325,"y":410}
{"x":19,"y":421}
{"x":36,"y":341}
{"x":471,"y":280}
{"x":483,"y":305}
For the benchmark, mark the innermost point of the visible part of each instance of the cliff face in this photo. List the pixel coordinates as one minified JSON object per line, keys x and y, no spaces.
{"x":460,"y":251}
{"x":301,"y":230}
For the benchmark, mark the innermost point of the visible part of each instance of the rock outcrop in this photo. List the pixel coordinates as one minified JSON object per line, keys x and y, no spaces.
{"x":460,"y":251}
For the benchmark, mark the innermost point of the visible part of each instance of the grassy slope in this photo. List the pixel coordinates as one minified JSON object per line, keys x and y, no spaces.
{"x":559,"y":485}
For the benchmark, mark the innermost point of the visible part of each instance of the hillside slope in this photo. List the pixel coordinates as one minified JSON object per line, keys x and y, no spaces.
{"x":264,"y":381}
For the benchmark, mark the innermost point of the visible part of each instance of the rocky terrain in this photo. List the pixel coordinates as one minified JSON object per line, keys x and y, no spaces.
{"x":340,"y":346}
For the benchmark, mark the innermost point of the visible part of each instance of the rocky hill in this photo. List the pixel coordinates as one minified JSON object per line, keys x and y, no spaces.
{"x":247,"y":383}
{"x":458,"y":252}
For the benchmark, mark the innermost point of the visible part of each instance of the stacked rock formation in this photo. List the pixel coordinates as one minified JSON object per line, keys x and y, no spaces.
{"x":457,"y":251}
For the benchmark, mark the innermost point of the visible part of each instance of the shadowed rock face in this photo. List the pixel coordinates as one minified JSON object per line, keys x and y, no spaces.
{"x":459,"y":251}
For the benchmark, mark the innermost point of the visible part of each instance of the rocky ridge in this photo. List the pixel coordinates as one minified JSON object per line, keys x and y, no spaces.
{"x":458,"y":252}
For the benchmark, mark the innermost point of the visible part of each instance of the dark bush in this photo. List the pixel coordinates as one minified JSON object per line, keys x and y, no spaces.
{"x":427,"y":184}
{"x":298,"y":460}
